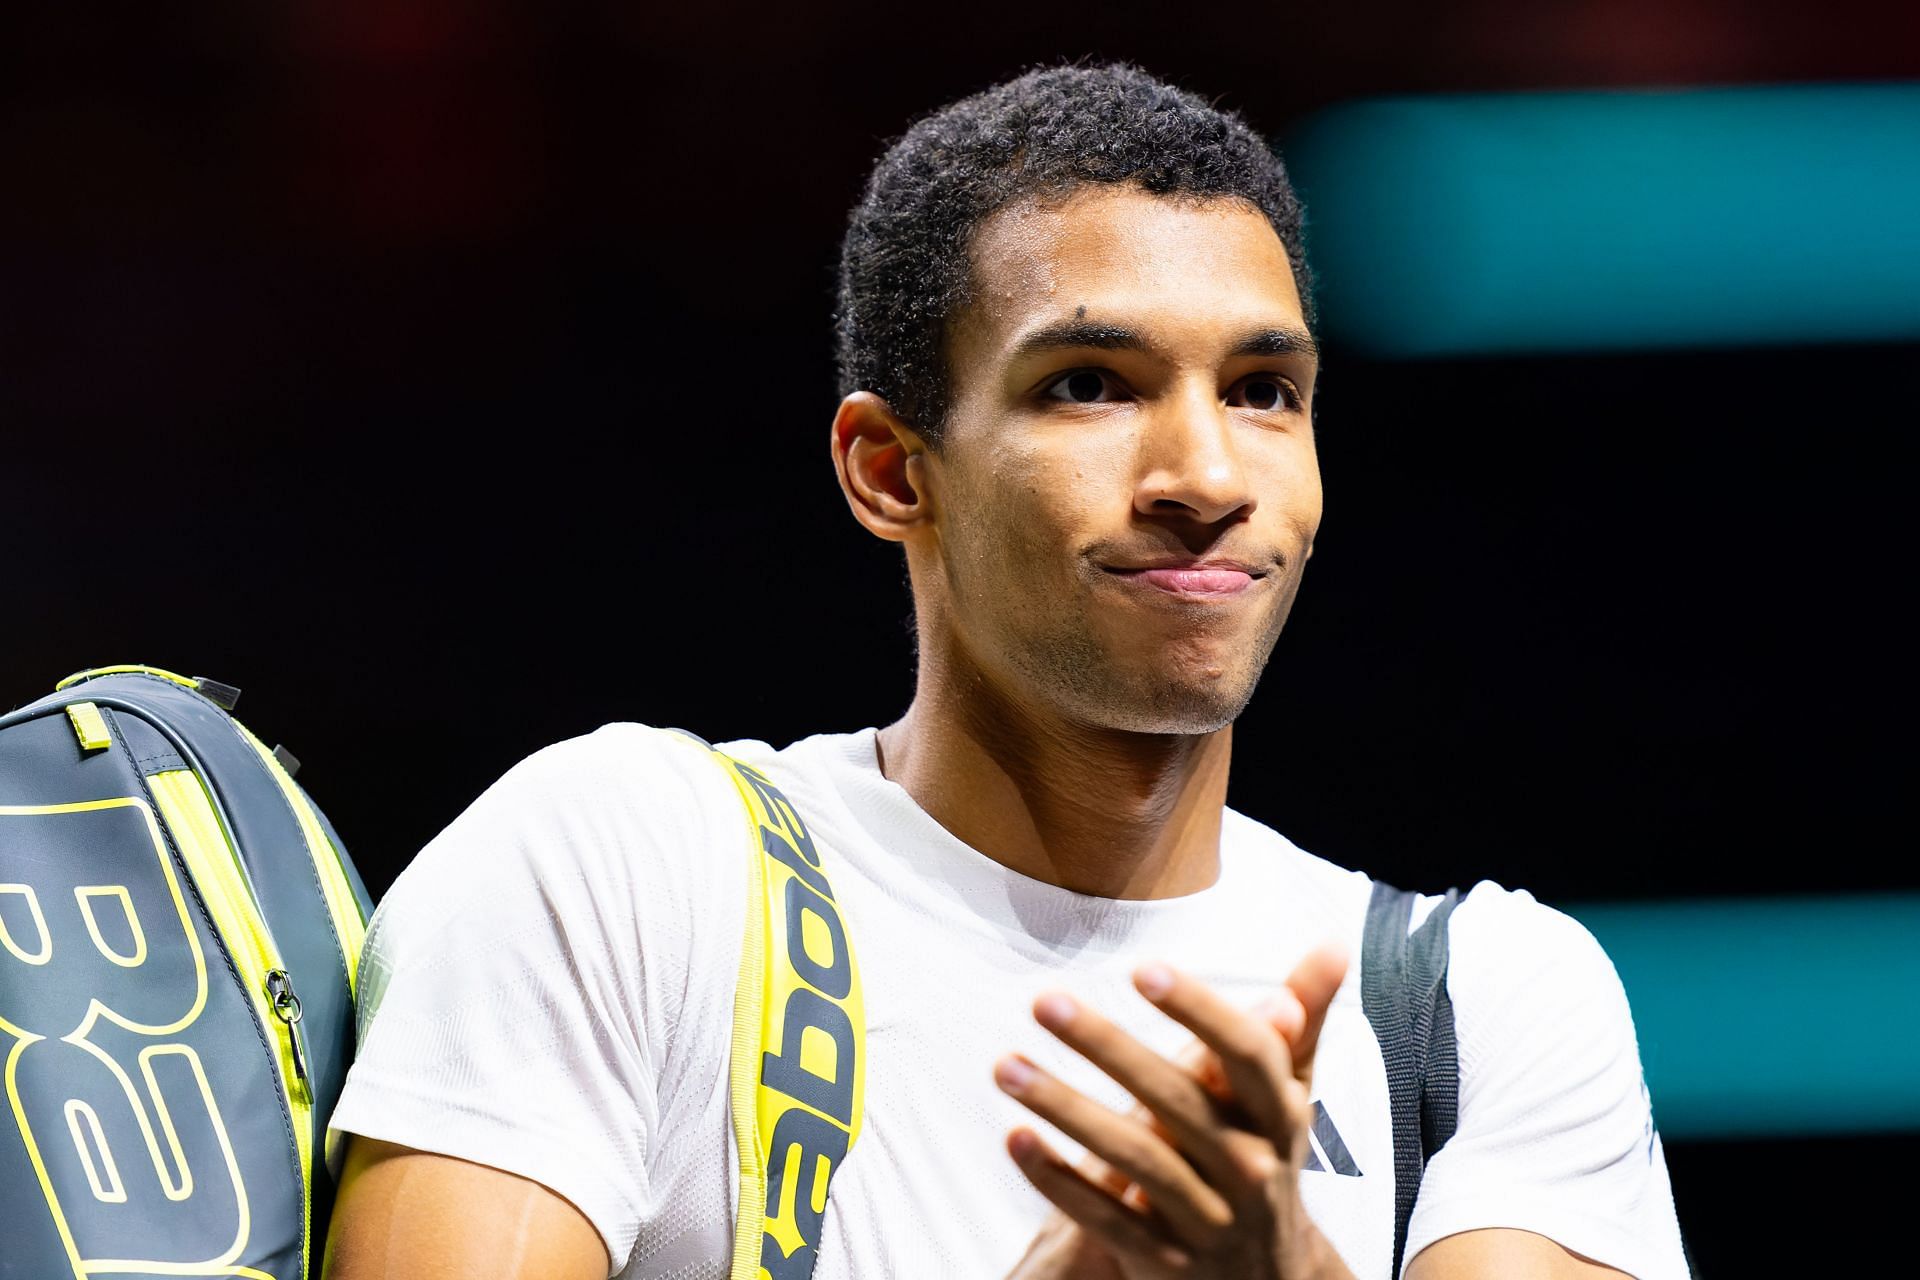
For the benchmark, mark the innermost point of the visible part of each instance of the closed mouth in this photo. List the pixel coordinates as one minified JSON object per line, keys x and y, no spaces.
{"x":1192,"y":581}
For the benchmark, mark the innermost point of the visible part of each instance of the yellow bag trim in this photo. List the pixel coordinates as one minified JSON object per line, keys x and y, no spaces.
{"x":89,"y":726}
{"x":213,"y":863}
{"x":749,"y":997}
{"x":185,"y":682}
{"x":798,"y":970}
{"x":342,"y":906}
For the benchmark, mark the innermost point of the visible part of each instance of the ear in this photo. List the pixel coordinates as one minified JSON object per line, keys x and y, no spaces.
{"x":882,"y":463}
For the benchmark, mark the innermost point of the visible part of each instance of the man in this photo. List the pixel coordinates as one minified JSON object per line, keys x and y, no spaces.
{"x":1078,"y":373}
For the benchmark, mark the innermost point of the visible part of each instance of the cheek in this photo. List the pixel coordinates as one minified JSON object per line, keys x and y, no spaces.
{"x":1043,"y":501}
{"x":1294,"y":485}
{"x":1308,"y":505}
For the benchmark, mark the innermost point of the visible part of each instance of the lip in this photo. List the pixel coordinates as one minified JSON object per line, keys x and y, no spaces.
{"x":1206,"y":580}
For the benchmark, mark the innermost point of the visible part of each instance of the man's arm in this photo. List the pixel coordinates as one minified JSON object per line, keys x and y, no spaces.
{"x":1503,"y":1252}
{"x":412,"y":1215}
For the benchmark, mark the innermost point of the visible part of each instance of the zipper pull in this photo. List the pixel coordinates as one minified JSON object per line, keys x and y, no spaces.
{"x":286,"y":1007}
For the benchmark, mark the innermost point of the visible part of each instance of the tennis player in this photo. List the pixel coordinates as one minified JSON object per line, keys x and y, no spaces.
{"x":1114,"y":1030}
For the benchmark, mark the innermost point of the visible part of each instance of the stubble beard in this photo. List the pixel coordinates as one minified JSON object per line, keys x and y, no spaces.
{"x":1050,"y":645}
{"x":1055,"y":651}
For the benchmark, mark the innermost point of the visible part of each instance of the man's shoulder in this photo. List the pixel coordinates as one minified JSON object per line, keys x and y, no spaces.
{"x":1494,"y":925}
{"x":618,"y":760}
{"x":1501,"y":940}
{"x":626,"y":803}
{"x":811,"y":761}
{"x":622,"y":779}
{"x":1520,"y":970}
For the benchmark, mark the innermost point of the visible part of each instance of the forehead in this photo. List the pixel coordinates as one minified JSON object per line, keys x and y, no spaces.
{"x":1121,"y":252}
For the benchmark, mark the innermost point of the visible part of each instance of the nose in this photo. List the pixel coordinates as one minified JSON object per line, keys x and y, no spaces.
{"x":1189,"y":466}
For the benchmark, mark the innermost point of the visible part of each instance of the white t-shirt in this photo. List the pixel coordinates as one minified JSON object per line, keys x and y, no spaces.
{"x":548,"y":990}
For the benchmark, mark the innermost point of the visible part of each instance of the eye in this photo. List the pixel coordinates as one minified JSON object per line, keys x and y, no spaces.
{"x":1267,"y":392}
{"x":1083,"y":386}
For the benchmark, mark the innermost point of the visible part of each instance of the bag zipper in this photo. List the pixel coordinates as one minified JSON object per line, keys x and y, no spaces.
{"x":286,"y":1007}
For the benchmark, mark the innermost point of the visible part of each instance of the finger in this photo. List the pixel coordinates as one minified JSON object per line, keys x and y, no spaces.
{"x":1203,"y":1064}
{"x":1195,"y":1211}
{"x":1254,"y":1058}
{"x":1313,"y":983}
{"x":1181,"y":1108}
{"x":1126,"y":1231}
{"x":1192,"y":1058}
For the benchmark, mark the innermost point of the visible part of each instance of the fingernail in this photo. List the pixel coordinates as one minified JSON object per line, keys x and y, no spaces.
{"x":1055,"y":1011}
{"x":1012,"y":1074}
{"x":1021,"y":1143}
{"x":1154,"y":980}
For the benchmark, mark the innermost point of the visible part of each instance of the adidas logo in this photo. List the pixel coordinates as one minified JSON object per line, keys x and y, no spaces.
{"x":1325,"y":1148}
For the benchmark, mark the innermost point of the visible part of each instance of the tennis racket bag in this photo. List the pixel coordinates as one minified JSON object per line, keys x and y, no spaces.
{"x":179,"y":932}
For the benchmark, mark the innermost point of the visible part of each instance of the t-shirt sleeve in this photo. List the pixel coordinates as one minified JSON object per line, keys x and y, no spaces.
{"x":1556,"y":1132}
{"x":509,"y":1013}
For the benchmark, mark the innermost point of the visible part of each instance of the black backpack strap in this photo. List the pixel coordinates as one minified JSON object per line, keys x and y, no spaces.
{"x":1403,"y":989}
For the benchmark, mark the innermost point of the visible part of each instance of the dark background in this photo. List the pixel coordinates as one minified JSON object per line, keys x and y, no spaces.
{"x":456,"y":377}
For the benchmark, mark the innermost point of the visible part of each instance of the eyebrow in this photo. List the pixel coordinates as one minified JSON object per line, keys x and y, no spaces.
{"x":1282,"y":341}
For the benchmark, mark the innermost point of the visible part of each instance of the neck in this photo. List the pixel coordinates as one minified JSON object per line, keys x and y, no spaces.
{"x":1095,"y":810}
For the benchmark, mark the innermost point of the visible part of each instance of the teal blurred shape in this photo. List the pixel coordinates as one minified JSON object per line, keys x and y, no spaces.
{"x":1606,"y":220}
{"x":1773,"y":1016}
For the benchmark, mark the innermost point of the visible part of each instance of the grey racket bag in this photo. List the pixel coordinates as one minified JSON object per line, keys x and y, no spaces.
{"x":179,"y":932}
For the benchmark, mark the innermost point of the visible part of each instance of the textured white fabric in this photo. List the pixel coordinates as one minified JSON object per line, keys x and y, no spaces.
{"x":548,"y":988}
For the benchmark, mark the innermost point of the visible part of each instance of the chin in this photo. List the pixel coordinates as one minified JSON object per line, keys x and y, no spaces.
{"x":1166,"y":691}
{"x":1171,"y":709}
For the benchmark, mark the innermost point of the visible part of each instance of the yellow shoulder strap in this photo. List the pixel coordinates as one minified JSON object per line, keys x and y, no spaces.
{"x":799,"y":1040}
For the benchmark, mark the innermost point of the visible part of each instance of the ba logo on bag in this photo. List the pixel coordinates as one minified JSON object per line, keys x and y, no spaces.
{"x":161,"y":1095}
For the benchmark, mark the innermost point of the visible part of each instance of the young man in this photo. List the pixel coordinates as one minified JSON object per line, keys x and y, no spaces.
{"x":1078,"y":365}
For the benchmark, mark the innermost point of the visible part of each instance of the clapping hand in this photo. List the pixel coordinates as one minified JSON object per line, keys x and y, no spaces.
{"x":1201,"y":1180}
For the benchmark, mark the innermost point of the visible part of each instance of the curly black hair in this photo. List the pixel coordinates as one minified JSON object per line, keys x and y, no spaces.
{"x":904,"y":265}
